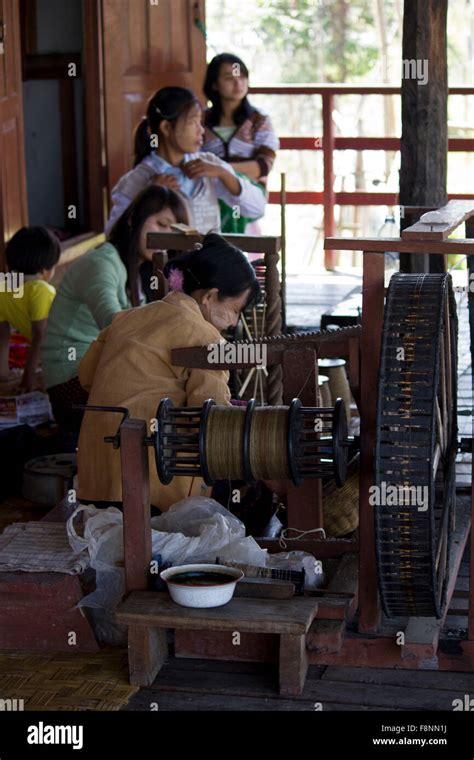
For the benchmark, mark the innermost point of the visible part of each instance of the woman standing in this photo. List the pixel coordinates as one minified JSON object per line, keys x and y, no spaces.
{"x":235,"y":130}
{"x":99,"y":285}
{"x":167,"y":145}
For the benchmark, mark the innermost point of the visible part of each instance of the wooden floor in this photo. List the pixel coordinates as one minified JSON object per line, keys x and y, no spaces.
{"x":201,"y":685}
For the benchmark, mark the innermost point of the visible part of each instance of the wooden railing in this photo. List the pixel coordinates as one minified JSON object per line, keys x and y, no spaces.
{"x":328,"y":142}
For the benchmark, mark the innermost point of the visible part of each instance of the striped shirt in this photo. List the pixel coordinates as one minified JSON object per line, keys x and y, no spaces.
{"x":254,"y":140}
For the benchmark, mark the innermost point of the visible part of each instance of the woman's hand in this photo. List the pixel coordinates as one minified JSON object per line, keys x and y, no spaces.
{"x":200,"y":168}
{"x":166,"y":180}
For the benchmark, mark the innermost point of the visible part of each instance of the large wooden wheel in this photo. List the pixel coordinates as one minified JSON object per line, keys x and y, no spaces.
{"x":416,"y":444}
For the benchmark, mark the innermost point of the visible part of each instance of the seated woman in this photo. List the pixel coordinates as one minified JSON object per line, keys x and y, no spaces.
{"x":167,"y":145}
{"x":129,"y":365}
{"x":235,"y":130}
{"x":95,"y":288}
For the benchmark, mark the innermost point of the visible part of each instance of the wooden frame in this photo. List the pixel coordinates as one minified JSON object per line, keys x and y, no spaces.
{"x":372,"y":319}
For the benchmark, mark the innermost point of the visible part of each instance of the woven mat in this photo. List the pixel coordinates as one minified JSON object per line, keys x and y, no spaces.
{"x":39,"y":547}
{"x":67,"y":681}
{"x":341,"y":505}
{"x":17,"y":509}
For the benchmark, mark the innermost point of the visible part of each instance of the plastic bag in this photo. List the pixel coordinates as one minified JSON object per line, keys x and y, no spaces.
{"x":195,"y":529}
{"x":295,"y":560}
{"x":198,"y":529}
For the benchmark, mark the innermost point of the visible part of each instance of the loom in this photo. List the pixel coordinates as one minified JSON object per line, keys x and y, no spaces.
{"x":401,"y":565}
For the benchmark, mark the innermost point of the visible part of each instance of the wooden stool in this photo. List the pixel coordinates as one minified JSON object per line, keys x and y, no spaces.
{"x":148,"y":613}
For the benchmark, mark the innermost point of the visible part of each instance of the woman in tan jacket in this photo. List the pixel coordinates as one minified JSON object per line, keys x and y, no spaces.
{"x":129,"y":364}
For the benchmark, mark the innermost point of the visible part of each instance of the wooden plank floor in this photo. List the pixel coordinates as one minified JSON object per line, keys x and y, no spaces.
{"x":204,"y":685}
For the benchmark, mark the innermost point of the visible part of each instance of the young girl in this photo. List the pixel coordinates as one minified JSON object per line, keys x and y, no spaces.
{"x":96,"y":287}
{"x":32,"y":255}
{"x":130,"y":364}
{"x":167,"y":145}
{"x":235,"y":130}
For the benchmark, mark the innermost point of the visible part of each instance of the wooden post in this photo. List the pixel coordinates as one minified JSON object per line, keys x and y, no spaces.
{"x":372,"y":316}
{"x":470,"y":297}
{"x":424,"y":143}
{"x":305,"y":502}
{"x":329,"y":142}
{"x":147,"y":647}
{"x":136,"y":504}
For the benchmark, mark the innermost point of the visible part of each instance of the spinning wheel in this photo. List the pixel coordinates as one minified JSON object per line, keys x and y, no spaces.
{"x":252,"y":325}
{"x":416,"y":444}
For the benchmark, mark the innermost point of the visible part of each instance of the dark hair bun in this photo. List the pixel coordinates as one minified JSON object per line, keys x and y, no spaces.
{"x":218,"y":264}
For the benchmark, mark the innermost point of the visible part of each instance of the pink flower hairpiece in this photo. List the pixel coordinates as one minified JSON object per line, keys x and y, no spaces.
{"x":175,"y":279}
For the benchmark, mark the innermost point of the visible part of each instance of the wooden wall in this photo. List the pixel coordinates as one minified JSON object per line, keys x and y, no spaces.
{"x":146,"y":47}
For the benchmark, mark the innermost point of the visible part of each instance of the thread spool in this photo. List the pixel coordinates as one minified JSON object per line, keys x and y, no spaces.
{"x":324,"y":390}
{"x":224,"y":438}
{"x":256,"y":443}
{"x":339,"y":387}
{"x":268,"y":443}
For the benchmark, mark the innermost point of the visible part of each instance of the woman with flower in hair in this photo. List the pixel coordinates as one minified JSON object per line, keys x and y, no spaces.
{"x":130,"y":365}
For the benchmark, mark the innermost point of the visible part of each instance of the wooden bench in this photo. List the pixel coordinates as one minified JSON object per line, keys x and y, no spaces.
{"x":38,"y":610}
{"x":147,"y":614}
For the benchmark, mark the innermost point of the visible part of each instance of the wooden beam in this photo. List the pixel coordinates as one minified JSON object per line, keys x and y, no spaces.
{"x":95,"y":173}
{"x":69,"y":152}
{"x":381,"y":245}
{"x":453,"y":214}
{"x":424,"y":143}
{"x":328,"y":157}
{"x":51,"y":66}
{"x":136,"y":504}
{"x":177,"y":241}
{"x":320,"y":548}
{"x":372,"y":318}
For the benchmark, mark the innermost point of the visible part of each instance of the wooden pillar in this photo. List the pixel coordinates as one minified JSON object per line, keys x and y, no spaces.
{"x":305,"y":502}
{"x":470,"y":273}
{"x":372,"y":316}
{"x":329,"y":195}
{"x":424,"y":143}
{"x":136,"y":504}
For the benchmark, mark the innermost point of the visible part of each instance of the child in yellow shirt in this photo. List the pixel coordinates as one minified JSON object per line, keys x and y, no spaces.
{"x":26,"y":295}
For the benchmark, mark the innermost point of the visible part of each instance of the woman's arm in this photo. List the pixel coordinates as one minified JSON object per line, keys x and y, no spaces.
{"x":250,"y":168}
{"x":102,"y":290}
{"x":89,"y":362}
{"x":4,"y":349}
{"x":28,"y":380}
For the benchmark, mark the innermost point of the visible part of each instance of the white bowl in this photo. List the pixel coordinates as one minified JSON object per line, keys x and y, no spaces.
{"x":201,"y":596}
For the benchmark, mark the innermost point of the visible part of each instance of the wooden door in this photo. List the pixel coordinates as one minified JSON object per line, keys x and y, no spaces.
{"x":147,"y":45}
{"x":13,"y":203}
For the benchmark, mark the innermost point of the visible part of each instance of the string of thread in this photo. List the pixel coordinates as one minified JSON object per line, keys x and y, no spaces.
{"x":268,"y":450}
{"x":285,"y":531}
{"x":267,"y":443}
{"x":224,"y":443}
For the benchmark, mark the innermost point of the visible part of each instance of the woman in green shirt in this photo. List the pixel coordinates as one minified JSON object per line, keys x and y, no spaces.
{"x":100,"y":284}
